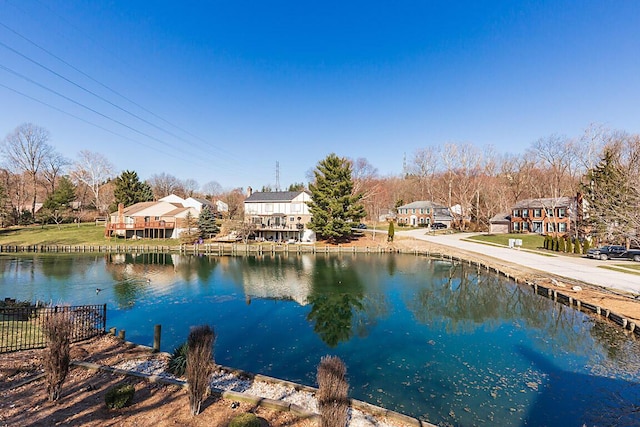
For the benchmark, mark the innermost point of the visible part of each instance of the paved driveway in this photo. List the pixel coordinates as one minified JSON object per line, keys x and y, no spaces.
{"x":581,"y":269}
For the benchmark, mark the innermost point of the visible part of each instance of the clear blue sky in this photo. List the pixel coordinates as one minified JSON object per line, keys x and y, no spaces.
{"x":224,"y":90}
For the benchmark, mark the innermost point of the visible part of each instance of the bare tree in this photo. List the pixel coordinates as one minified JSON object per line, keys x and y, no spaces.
{"x":54,"y":166}
{"x":465,"y":168}
{"x":165,"y":184}
{"x":93,"y":170}
{"x":558,"y":156}
{"x":235,"y":200}
{"x":190,"y":186}
{"x":366,"y":183}
{"x":25,"y":151}
{"x":517,"y":175}
{"x":424,"y":166}
{"x":212,"y":189}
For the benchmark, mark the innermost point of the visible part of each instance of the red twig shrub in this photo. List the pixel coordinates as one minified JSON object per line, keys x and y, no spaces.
{"x":333,"y":388}
{"x":199,"y":365}
{"x":57,"y":330}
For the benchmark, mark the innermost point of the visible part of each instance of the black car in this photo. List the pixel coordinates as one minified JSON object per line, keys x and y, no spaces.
{"x":633,"y":254}
{"x":607,"y":252}
{"x":438,"y":226}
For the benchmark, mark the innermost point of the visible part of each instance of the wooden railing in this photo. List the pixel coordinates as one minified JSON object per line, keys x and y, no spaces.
{"x":141,"y":225}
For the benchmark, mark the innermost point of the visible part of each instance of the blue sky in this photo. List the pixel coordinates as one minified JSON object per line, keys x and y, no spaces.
{"x":223,"y":90}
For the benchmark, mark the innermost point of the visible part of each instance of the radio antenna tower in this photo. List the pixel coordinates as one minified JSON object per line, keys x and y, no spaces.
{"x":277,"y":176}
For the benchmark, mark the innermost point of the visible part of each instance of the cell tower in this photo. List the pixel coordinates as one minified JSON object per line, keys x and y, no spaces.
{"x":277,"y":176}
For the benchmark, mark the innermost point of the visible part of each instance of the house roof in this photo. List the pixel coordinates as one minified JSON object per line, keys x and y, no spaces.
{"x":273,"y":196}
{"x":422,"y":204}
{"x":549,"y":202}
{"x":137,"y":207}
{"x":501,"y":217}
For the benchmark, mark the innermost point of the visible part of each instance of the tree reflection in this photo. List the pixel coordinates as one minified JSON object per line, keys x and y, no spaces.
{"x":462,"y":298}
{"x":57,"y":267}
{"x":336,"y":294}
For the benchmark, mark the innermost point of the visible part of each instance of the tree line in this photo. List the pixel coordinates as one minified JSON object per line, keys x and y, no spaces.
{"x":601,"y":164}
{"x":79,"y":189}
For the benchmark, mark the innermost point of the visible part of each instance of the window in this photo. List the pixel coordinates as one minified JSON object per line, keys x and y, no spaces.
{"x":525,"y":213}
{"x":561,"y":212}
{"x":516,"y":212}
{"x":421,"y":210}
{"x":292,"y":218}
{"x":421,"y":220}
{"x":549,"y":212}
{"x":516,"y":226}
{"x":537,"y":213}
{"x":562,"y":227}
{"x":525,"y":226}
{"x":550,"y":227}
{"x":413,"y":210}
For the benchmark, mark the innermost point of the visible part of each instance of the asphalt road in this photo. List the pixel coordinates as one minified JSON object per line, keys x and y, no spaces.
{"x":582,"y":269}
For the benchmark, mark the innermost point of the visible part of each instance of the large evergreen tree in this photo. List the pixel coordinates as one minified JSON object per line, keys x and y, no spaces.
{"x":128,"y":189}
{"x":334,"y":207}
{"x":609,"y":197}
{"x":207,"y":223}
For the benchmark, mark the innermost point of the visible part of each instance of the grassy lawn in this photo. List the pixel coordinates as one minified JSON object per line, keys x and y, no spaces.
{"x":623,"y":268}
{"x":629,"y":266}
{"x":529,"y":241}
{"x":20,"y":334}
{"x":70,"y":234}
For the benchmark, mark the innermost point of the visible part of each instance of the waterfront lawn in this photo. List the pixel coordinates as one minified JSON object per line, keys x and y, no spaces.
{"x":20,"y":334}
{"x":529,"y":241}
{"x":87,"y":234}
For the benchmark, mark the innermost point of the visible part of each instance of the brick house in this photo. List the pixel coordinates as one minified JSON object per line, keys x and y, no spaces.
{"x":552,"y":216}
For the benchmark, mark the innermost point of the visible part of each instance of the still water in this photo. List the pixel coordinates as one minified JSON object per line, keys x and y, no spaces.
{"x":440,"y":341}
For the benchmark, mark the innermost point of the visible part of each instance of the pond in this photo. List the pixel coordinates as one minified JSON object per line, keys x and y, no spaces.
{"x":440,"y":341}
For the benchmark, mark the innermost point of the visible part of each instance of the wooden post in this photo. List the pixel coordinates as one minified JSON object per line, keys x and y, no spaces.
{"x":121,"y":334}
{"x":157,"y":331}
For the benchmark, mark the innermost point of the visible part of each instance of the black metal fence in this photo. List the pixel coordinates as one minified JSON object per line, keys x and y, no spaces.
{"x":21,"y":328}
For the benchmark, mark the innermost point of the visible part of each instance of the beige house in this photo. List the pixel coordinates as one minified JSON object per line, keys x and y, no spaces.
{"x":422,"y":214}
{"x":279,"y":216}
{"x":151,"y":220}
{"x":500,"y":223}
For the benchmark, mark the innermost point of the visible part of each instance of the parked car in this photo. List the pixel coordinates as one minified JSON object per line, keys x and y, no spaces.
{"x":361,"y":226}
{"x":607,"y":252}
{"x":633,"y":254}
{"x":438,"y":226}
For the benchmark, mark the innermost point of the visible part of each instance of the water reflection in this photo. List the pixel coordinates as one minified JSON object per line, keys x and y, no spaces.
{"x":438,"y":340}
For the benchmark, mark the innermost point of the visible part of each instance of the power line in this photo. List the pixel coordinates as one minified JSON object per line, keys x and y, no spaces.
{"x":80,"y":118}
{"x":83,"y":105}
{"x":91,"y":92}
{"x":69,"y":24}
{"x":106,"y":87}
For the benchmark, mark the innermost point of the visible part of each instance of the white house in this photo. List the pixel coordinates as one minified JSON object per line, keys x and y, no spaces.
{"x":279,"y":215}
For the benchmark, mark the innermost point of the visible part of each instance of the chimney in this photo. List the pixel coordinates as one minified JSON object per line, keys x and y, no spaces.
{"x":120,"y":213}
{"x":249,"y":191}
